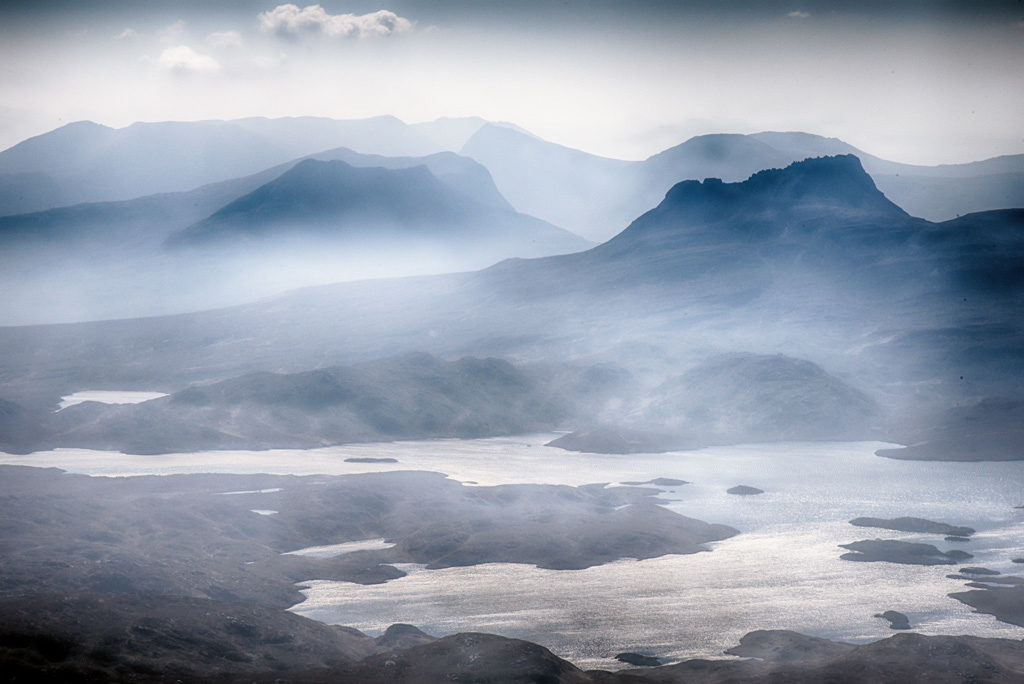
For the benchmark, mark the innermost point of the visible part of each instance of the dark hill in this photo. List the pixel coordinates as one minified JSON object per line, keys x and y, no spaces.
{"x":412,"y":396}
{"x":811,"y":193}
{"x":324,"y":195}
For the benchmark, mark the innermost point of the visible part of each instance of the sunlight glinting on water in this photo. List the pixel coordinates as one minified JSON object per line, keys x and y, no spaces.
{"x":782,"y":572}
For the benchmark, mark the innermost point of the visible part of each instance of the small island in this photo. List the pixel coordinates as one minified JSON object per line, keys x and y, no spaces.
{"x":905,"y":553}
{"x":908,"y":524}
{"x":896,"y":620}
{"x":660,"y":482}
{"x":744,"y":490}
{"x":638,"y":659}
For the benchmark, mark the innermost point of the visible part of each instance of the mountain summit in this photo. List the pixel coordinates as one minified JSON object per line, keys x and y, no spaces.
{"x":333,"y":195}
{"x":804,"y":198}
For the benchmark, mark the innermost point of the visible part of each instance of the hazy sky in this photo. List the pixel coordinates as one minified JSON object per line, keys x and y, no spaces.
{"x":915,"y":81}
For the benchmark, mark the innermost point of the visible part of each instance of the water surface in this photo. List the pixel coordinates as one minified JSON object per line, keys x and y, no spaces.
{"x":782,"y":572}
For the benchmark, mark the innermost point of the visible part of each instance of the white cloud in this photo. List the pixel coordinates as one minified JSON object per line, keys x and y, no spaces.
{"x":224,"y":39}
{"x":290,"y":21}
{"x":128,"y":32}
{"x":171,"y":33}
{"x":183,"y":59}
{"x":798,"y":14}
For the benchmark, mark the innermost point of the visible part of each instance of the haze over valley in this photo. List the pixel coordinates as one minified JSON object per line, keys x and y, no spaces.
{"x":296,"y":387}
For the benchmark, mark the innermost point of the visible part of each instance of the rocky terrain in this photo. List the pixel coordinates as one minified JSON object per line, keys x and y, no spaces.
{"x":182,"y":535}
{"x":108,"y":641}
{"x":177,"y":578}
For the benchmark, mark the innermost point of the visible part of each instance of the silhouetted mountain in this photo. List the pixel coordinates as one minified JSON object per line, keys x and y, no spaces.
{"x":459,"y":173}
{"x":374,"y":207}
{"x":936,"y":193}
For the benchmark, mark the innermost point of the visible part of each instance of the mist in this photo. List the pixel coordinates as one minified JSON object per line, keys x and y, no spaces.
{"x":511,"y":342}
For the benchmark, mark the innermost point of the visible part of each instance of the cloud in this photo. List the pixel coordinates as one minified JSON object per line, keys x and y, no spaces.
{"x":171,"y":33}
{"x":290,"y":22}
{"x":128,"y":32}
{"x":224,"y":39}
{"x":798,"y":14}
{"x":183,"y":59}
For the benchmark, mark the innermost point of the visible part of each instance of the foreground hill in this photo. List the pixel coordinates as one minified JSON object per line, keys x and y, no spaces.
{"x":410,"y":397}
{"x":177,"y":578}
{"x":730,"y":398}
{"x":733,"y":398}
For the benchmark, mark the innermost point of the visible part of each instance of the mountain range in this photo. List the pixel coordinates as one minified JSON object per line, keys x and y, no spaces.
{"x":812,"y":261}
{"x":596,"y":196}
{"x":89,"y":162}
{"x":72,"y":263}
{"x":584,"y":193}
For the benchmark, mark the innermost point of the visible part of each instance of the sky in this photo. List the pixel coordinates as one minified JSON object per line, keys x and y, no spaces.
{"x":914,"y":81}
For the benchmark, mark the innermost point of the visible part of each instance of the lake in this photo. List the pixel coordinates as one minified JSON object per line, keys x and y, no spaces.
{"x":782,"y":572}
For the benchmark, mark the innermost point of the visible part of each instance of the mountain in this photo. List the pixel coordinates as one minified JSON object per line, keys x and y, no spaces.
{"x":87,"y":162}
{"x":459,"y":173}
{"x":106,"y":247}
{"x":581,"y":192}
{"x":811,"y":261}
{"x":936,"y":193}
{"x":319,"y":204}
{"x":596,"y":196}
{"x":21,"y":193}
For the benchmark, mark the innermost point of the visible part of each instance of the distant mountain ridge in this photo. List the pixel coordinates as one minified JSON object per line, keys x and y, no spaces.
{"x":587,"y":194}
{"x":595,"y":196}
{"x":89,"y":162}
